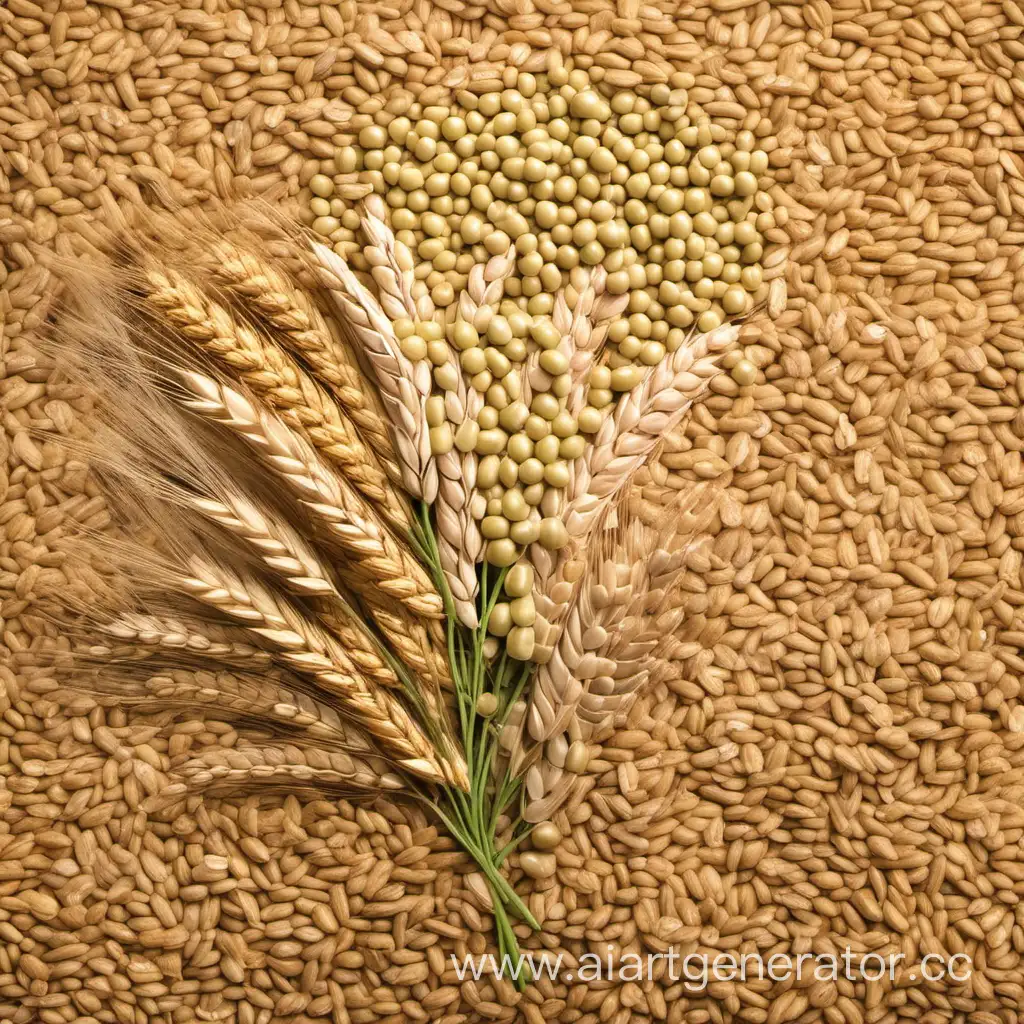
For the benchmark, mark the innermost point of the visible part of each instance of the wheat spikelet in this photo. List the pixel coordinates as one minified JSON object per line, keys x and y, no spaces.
{"x":273,"y":375}
{"x":273,"y":299}
{"x":404,"y":386}
{"x":305,"y":648}
{"x":641,"y":419}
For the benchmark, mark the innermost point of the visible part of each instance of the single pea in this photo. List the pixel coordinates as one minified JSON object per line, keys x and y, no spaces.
{"x":544,"y":333}
{"x":441,"y":440}
{"x":514,"y":416}
{"x":546,"y":449}
{"x":526,"y":531}
{"x":435,"y":411}
{"x":545,"y":405}
{"x":487,"y":472}
{"x":626,"y":377}
{"x":563,"y":425}
{"x":536,"y":427}
{"x":578,"y":756}
{"x":499,"y":622}
{"x":524,"y":612}
{"x":497,"y":363}
{"x":473,"y":360}
{"x":531,"y":471}
{"x":513,"y":505}
{"x":520,"y":448}
{"x":746,"y":182}
{"x":561,"y":385}
{"x":494,"y":527}
{"x":553,"y":534}
{"x":520,"y":645}
{"x":322,"y":186}
{"x":599,"y":397}
{"x":744,"y":373}
{"x":481,"y":381}
{"x":438,"y":352}
{"x":413,"y":347}
{"x":488,"y":418}
{"x":467,"y":435}
{"x":519,"y":580}
{"x":629,"y":347}
{"x":320,"y":208}
{"x":572,"y":447}
{"x":734,"y":300}
{"x":751,"y":278}
{"x":556,"y":474}
{"x":501,"y":552}
{"x":708,"y":321}
{"x":553,"y":361}
{"x":491,"y":442}
{"x":508,"y":473}
{"x":545,"y":836}
{"x":464,"y":335}
{"x":486,"y":705}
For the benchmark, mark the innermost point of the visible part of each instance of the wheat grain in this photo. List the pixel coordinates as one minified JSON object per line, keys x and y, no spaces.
{"x":404,"y":386}
{"x":272,"y":375}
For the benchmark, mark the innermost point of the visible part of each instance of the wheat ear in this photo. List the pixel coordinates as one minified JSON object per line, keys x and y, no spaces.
{"x":405,"y":386}
{"x":266,"y":702}
{"x":262,"y":365}
{"x":386,"y":575}
{"x":376,"y":555}
{"x":295,"y":564}
{"x":460,"y":543}
{"x":626,"y":439}
{"x":309,"y":650}
{"x":279,"y":304}
{"x":286,"y":767}
{"x":392,"y":266}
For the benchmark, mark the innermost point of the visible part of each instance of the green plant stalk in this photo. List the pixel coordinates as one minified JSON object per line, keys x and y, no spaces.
{"x":472,"y":817}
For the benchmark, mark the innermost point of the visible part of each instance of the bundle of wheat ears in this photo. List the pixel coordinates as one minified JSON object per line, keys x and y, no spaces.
{"x":293,"y":551}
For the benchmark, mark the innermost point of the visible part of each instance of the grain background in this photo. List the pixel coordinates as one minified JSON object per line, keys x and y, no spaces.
{"x":839,"y":762}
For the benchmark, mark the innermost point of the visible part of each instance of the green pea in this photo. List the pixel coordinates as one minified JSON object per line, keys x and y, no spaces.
{"x":513,"y":505}
{"x":467,"y":435}
{"x":572,"y":447}
{"x":557,"y":473}
{"x":554,"y":361}
{"x":746,"y":182}
{"x":545,"y":405}
{"x":546,"y":449}
{"x":553,"y":534}
{"x":499,"y":622}
{"x":536,"y":427}
{"x":473,"y":360}
{"x":488,"y":418}
{"x":487,"y":472}
{"x":734,"y":300}
{"x":514,"y":416}
{"x":520,"y":448}
{"x":447,"y":377}
{"x":531,"y":471}
{"x":491,"y":442}
{"x":526,"y":531}
{"x":589,"y":421}
{"x":441,"y":440}
{"x":508,"y":473}
{"x":494,"y":527}
{"x":520,"y":645}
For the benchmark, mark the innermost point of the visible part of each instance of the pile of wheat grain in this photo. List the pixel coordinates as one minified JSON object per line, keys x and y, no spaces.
{"x":836,"y":763}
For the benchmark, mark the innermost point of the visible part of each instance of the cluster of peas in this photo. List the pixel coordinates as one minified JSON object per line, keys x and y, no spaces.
{"x":568,"y":180}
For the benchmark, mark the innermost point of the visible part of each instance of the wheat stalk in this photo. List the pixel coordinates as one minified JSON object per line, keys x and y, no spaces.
{"x":405,"y":386}
{"x":273,"y":298}
{"x":307,"y":649}
{"x":262,"y":365}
